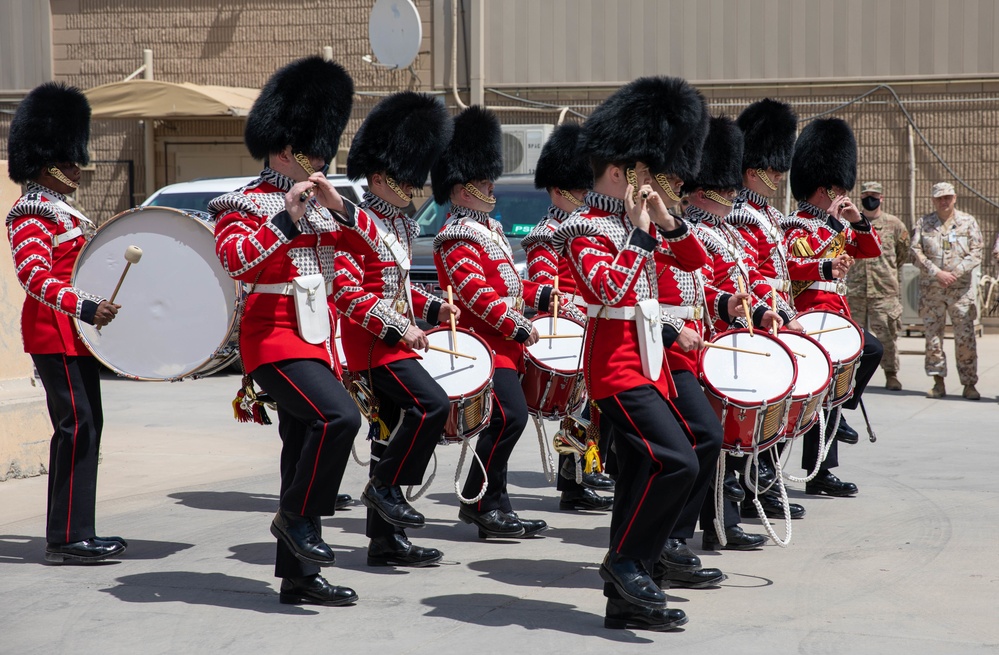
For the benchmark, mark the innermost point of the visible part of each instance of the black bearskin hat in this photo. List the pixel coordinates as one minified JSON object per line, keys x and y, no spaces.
{"x":824,"y":156}
{"x":769,"y":128}
{"x":561,"y":164}
{"x":475,"y":152}
{"x":51,"y":125}
{"x":304,"y":105}
{"x":403,"y":136}
{"x":648,"y":120}
{"x":721,"y":159}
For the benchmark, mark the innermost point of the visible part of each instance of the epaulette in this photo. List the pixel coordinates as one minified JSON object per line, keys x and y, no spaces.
{"x":32,"y":205}
{"x":794,"y":221}
{"x":235,"y":201}
{"x":541,"y":233}
{"x":457,"y":231}
{"x":742,"y":215}
{"x":576,"y":225}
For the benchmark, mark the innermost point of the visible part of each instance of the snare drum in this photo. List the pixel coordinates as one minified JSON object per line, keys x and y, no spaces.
{"x":553,"y":382}
{"x":467,"y":382}
{"x":179,"y":306}
{"x":751,"y":393}
{"x":844,"y":346}
{"x":811,"y":385}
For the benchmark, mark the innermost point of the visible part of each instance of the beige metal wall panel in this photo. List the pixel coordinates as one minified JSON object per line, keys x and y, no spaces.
{"x":25,"y":44}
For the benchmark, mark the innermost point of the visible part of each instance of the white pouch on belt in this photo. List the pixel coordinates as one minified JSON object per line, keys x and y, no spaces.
{"x":650,"y":337}
{"x":311,"y":308}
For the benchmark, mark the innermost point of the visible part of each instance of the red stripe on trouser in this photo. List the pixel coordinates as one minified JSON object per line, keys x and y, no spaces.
{"x":322,"y":440}
{"x":423,"y":417}
{"x":76,"y":432}
{"x":683,"y":422}
{"x":495,"y":443}
{"x":648,"y":484}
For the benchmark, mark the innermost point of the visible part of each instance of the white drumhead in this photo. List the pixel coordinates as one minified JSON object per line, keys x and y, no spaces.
{"x":177,"y":303}
{"x":843,"y":345}
{"x":814,"y":369}
{"x":557,"y":354}
{"x":749,"y":377}
{"x":458,"y":376}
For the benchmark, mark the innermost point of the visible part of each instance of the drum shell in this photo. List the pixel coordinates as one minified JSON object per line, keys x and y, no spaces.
{"x":552,"y":393}
{"x":843,"y":364}
{"x":470,"y":410}
{"x":805,"y":406}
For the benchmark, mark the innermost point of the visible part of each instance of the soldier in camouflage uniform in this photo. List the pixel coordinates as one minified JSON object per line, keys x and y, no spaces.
{"x":947,"y":246}
{"x":873,"y":286}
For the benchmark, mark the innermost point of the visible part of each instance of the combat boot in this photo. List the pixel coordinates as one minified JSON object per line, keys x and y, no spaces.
{"x":938,"y":390}
{"x":892,"y":383}
{"x":971,"y":393}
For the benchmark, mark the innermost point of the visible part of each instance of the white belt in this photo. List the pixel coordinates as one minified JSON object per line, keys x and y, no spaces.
{"x":835,"y":287}
{"x":784,"y":286}
{"x":514,"y":303}
{"x":686,"y":313}
{"x":579,"y":301}
{"x":60,"y":239}
{"x":283,"y":288}
{"x":617,"y":313}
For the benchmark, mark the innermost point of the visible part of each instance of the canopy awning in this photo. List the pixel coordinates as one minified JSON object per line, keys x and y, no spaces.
{"x":155,"y":99}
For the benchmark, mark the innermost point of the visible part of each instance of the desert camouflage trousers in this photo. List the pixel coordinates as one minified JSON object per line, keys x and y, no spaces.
{"x":883,"y":317}
{"x":935,"y":303}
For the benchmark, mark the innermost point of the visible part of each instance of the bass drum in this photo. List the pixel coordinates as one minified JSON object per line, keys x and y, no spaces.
{"x":179,"y":308}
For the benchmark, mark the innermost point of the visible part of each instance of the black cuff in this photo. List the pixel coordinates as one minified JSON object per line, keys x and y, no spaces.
{"x":673,"y":234}
{"x":392,"y":337}
{"x":642,"y":239}
{"x":434,"y":311}
{"x":826,"y":270}
{"x":88,"y":311}
{"x":670,"y":335}
{"x":544,"y":298}
{"x":282,"y":221}
{"x":723,"y":308}
{"x":863,"y":225}
{"x":758,"y":316}
{"x":349,"y":217}
{"x":784,"y":316}
{"x":521,"y":335}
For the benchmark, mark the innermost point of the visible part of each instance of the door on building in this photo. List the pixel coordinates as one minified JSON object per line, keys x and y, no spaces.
{"x":188,"y":161}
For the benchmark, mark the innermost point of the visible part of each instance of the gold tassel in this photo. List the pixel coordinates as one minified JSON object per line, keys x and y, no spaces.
{"x":592,"y":459}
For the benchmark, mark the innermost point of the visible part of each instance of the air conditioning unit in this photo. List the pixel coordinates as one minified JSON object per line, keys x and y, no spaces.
{"x":911,"y":321}
{"x":522,"y":146}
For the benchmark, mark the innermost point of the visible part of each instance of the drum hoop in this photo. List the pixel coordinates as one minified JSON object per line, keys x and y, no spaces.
{"x":492,"y":361}
{"x":829,"y":363}
{"x":769,"y":401}
{"x":849,"y":320}
{"x":530,"y":358}
{"x":191,"y":373}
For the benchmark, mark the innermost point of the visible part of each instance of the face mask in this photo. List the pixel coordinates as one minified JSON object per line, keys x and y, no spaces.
{"x":870,"y":203}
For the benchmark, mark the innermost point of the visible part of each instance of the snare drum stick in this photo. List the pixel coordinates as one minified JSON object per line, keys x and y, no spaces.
{"x":560,"y":336}
{"x":132,"y":256}
{"x":452,"y":352}
{"x":555,"y":308}
{"x":708,"y":344}
{"x":454,"y":330}
{"x":773,"y":306}
{"x":745,"y":304}
{"x":832,"y":329}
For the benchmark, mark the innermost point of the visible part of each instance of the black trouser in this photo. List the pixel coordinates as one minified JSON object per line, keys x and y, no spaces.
{"x":700,"y":423}
{"x":73,"y":395}
{"x":317,"y":421}
{"x":415,"y":409}
{"x":494,"y":445}
{"x":656,"y":470}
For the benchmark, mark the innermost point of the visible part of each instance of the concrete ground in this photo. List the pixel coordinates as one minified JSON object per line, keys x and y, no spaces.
{"x":908,"y":566}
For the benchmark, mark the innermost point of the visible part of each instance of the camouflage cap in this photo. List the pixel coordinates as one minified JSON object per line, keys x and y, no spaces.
{"x":871,"y":187}
{"x":942,"y":189}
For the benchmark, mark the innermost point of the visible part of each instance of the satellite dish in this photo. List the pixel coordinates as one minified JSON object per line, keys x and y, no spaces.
{"x":395,"y":32}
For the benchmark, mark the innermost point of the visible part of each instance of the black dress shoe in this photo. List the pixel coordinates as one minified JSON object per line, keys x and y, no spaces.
{"x":845,"y":433}
{"x":632,"y":581}
{"x":827,"y":483}
{"x":124,"y":544}
{"x":531,"y":526}
{"x":595,"y":481}
{"x":396,"y":550}
{"x":735,"y":536}
{"x":315,"y":590}
{"x":301,"y":535}
{"x":584,"y":498}
{"x":697,"y":579}
{"x":391,"y":505}
{"x":677,"y":556}
{"x":343,"y":501}
{"x":82,"y":552}
{"x":732,"y":490}
{"x":772,"y":507}
{"x":493,"y":523}
{"x":622,"y":615}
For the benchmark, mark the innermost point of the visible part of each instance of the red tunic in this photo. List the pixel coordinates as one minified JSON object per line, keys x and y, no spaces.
{"x":544,"y":264}
{"x":258,"y":243}
{"x":823,"y":234}
{"x":369,"y":285}
{"x":473,"y":256}
{"x":613,"y":265}
{"x":757,"y":224}
{"x":45,"y":268}
{"x":679,"y":261}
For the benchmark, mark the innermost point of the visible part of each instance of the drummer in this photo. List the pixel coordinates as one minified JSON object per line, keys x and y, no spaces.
{"x":473,"y":257}
{"x":393,"y":150}
{"x":769,"y":130}
{"x":47,"y":145}
{"x":566,"y":176}
{"x":709,"y":199}
{"x":279,"y":235}
{"x":823,"y":237}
